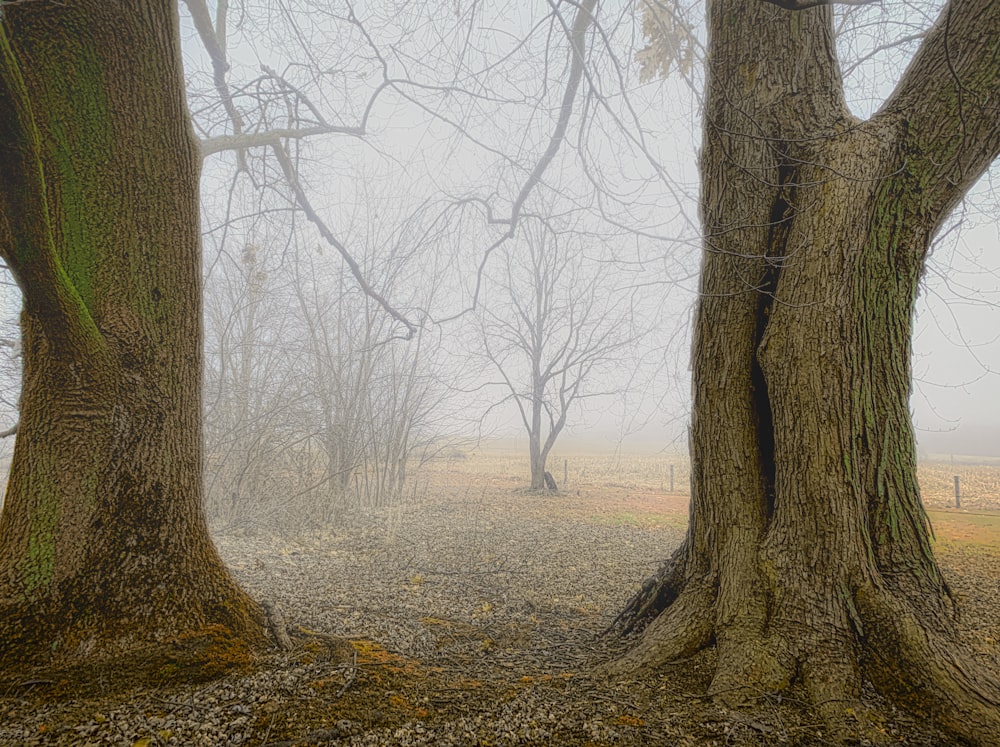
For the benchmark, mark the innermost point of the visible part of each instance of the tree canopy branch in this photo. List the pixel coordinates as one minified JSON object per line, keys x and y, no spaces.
{"x":213,"y":40}
{"x":268,"y":138}
{"x":577,"y":36}
{"x":949,"y":102}
{"x":300,"y":197}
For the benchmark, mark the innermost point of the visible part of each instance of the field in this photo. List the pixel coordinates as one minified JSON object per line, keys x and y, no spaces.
{"x":472,"y":613}
{"x":590,"y":470}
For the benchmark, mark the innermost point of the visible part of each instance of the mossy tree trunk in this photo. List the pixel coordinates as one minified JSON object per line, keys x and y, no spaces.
{"x":808,"y":555}
{"x":103,"y":545}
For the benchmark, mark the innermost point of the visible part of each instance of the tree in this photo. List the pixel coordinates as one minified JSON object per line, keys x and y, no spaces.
{"x":313,"y":408}
{"x":375,"y":402}
{"x":102,"y":541}
{"x":254,"y":395}
{"x":551,"y":329}
{"x":808,"y":554}
{"x":103,"y":545}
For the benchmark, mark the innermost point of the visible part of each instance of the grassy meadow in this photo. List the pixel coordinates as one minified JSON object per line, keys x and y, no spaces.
{"x":619,"y":487}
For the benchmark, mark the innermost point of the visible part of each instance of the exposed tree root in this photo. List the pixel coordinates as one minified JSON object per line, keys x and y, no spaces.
{"x":681,"y":630}
{"x":196,"y":656}
{"x":276,"y":624}
{"x":921,"y":669}
{"x":657,"y":593}
{"x":749,"y":664}
{"x":209,"y":629}
{"x":925,"y":671}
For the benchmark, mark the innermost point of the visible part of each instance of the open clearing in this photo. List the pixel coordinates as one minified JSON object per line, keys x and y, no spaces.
{"x":472,"y":613}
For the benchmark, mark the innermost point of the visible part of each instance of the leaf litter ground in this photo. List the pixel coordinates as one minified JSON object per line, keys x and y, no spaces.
{"x":471,"y":614}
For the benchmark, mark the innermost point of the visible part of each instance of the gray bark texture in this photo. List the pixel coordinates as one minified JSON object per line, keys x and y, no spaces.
{"x":808,"y":555}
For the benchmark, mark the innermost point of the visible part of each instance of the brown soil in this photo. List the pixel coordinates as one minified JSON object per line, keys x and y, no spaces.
{"x":470,"y":615}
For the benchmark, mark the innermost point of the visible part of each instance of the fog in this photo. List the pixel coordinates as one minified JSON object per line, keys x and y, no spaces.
{"x":423,"y":477}
{"x":417,"y":136}
{"x":463,"y":134}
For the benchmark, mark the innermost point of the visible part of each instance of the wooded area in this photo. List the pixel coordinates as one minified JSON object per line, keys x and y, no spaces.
{"x":212,"y":329}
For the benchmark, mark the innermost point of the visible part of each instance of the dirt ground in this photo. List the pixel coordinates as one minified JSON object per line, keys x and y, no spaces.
{"x":472,"y":614}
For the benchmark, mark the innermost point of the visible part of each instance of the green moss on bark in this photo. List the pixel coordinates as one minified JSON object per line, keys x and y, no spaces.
{"x":75,"y":77}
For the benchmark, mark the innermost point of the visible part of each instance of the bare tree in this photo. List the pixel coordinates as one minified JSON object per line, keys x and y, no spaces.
{"x":376,"y":402}
{"x":312,"y":407}
{"x":256,"y":402}
{"x":552,"y":326}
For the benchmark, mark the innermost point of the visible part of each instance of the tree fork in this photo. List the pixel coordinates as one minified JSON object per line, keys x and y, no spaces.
{"x":806,"y":520}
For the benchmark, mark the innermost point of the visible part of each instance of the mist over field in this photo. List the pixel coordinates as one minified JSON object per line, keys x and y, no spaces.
{"x":578,"y":373}
{"x":967,"y":439}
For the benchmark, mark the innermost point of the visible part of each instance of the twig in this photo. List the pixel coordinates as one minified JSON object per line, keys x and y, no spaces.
{"x":350,"y":677}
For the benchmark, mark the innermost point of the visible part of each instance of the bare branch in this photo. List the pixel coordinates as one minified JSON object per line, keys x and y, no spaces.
{"x":269,"y":138}
{"x":214,"y":41}
{"x":240,"y":141}
{"x":584,"y":18}
{"x":300,"y":197}
{"x":806,"y":4}
{"x":947,"y":103}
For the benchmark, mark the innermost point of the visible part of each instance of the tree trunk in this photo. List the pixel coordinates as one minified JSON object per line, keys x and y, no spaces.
{"x":808,"y":554}
{"x":103,"y":544}
{"x":537,"y":462}
{"x":536,"y":454}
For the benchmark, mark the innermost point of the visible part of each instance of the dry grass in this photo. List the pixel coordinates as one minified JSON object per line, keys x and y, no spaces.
{"x":979,"y":482}
{"x":470,"y":613}
{"x":573,"y":470}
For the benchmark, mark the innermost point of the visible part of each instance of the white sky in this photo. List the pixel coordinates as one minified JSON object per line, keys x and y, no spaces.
{"x":957,"y":351}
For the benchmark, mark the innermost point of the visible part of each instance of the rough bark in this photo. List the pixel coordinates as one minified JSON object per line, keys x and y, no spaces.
{"x":539,"y":448}
{"x":103,"y":545}
{"x":808,"y":554}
